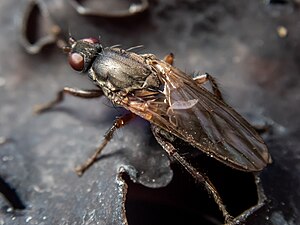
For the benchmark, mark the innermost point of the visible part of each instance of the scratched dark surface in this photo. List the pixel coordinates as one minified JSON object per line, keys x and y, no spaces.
{"x":237,"y":41}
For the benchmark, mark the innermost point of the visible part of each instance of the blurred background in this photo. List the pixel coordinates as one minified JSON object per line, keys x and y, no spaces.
{"x":252,"y":48}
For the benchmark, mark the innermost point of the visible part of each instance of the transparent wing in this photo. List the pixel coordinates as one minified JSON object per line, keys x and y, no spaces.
{"x":195,"y":115}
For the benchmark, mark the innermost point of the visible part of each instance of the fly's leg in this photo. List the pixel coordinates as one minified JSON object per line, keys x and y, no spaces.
{"x":201,"y":79}
{"x":207,"y":77}
{"x":119,"y":122}
{"x":171,"y":150}
{"x":71,"y":91}
{"x":261,"y":199}
{"x":169,"y":58}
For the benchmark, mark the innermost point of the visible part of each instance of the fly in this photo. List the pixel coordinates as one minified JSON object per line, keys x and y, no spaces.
{"x":176,"y":105}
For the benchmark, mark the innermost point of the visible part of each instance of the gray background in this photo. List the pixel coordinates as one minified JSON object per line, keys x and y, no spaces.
{"x":236,"y":41}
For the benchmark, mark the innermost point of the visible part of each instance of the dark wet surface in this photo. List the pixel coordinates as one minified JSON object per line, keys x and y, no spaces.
{"x":242,"y":43}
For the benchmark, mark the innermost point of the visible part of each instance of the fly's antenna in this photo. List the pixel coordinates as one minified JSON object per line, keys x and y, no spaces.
{"x":71,"y":38}
{"x":69,"y":32}
{"x":68,"y":47}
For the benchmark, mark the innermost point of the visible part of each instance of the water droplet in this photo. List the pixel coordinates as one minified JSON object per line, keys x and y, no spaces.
{"x":267,"y":218}
{"x":9,"y":209}
{"x":7,"y":158}
{"x":28,"y":219}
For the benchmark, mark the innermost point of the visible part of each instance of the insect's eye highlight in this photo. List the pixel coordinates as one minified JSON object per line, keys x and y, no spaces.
{"x":76,"y":61}
{"x":91,"y":40}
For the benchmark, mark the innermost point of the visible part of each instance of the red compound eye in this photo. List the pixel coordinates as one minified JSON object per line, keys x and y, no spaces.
{"x":91,"y":40}
{"x":76,"y":61}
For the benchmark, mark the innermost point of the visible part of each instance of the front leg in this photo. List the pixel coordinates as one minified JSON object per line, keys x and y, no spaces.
{"x":119,"y":122}
{"x":71,"y":91}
